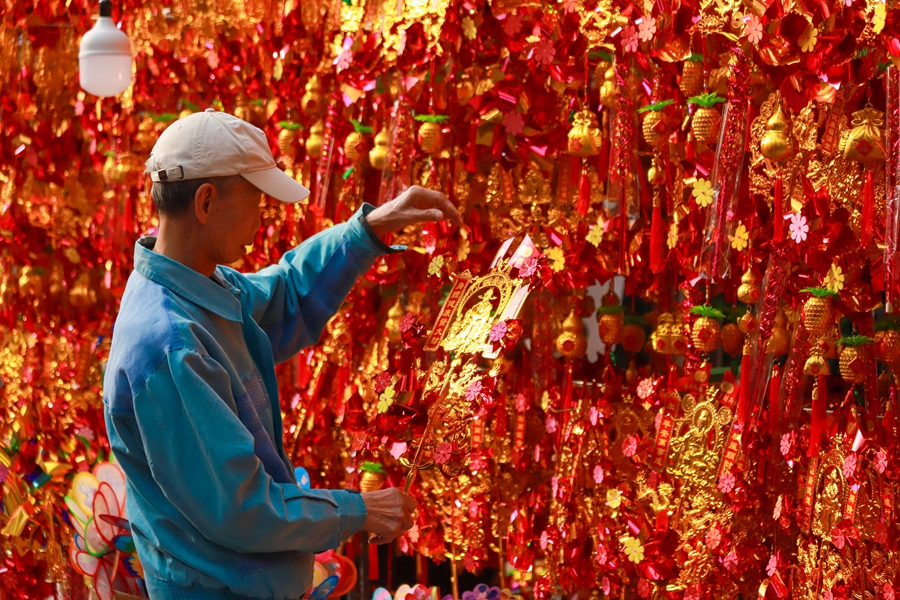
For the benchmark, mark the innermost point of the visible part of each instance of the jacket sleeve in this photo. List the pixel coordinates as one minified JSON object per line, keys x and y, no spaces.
{"x":203,"y":460}
{"x":293,"y":300}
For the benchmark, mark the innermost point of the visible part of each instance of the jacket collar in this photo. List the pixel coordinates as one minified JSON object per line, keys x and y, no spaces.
{"x":219,"y":298}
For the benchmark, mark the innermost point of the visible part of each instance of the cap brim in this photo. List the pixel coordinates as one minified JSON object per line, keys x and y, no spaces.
{"x":278,"y":184}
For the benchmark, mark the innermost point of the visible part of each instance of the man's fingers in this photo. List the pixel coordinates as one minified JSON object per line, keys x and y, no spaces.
{"x":410,"y":503}
{"x":378,"y":540}
{"x":425,"y":198}
{"x":432,"y":214}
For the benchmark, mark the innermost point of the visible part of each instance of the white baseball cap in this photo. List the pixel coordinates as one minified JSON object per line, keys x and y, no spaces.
{"x":216,"y":144}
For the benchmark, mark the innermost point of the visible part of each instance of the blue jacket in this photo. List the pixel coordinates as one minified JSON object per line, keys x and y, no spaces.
{"x":193,"y":417}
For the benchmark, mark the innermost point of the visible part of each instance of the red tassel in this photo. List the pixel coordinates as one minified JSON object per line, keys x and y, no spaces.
{"x":657,"y":243}
{"x":744,"y":401}
{"x":868,"y":209}
{"x":819,"y":409}
{"x":584,"y":194}
{"x":472,"y":165}
{"x":778,"y":209}
{"x":374,"y":567}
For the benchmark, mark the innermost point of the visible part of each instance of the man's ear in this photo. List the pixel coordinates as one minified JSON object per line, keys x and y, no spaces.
{"x":203,"y":201}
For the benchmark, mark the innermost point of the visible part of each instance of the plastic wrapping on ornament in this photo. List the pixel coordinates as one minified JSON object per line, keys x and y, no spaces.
{"x":322,"y":176}
{"x":726,"y":182}
{"x":395,"y":175}
{"x":892,"y":183}
{"x":792,"y":395}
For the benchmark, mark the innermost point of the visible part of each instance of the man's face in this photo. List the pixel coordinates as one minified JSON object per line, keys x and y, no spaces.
{"x":233,"y":221}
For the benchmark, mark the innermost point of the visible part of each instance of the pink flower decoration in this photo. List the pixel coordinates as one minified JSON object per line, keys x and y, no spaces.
{"x":498,"y":332}
{"x":544,"y":52}
{"x":477,"y":462}
{"x":772,"y":566}
{"x":881,"y":461}
{"x":513,"y":123}
{"x":571,"y":6}
{"x":643,"y":588}
{"x":828,"y":595}
{"x":87,"y":433}
{"x":521,"y":403}
{"x":645,"y":389}
{"x":753,"y":29}
{"x":442,"y":453}
{"x":382,"y":381}
{"x":407,"y":322}
{"x":888,"y":591}
{"x":629,"y":446}
{"x":799,"y":228}
{"x":528,"y":268}
{"x":545,"y":538}
{"x":598,"y":474}
{"x":713,"y":538}
{"x":881,"y":533}
{"x":693,"y":592}
{"x":344,"y":59}
{"x":601,"y":555}
{"x":849,"y":467}
{"x":550,"y":424}
{"x":630,"y":39}
{"x":606,"y":586}
{"x":594,"y":414}
{"x":730,"y":561}
{"x":473,"y":392}
{"x":786,"y":444}
{"x":726,"y":483}
{"x":512,"y":25}
{"x":647,"y":29}
{"x":838,"y":538}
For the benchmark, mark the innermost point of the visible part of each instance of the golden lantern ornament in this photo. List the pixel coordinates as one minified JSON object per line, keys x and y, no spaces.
{"x":732,"y":339}
{"x":706,"y":331}
{"x":315,"y":140}
{"x":431,"y":134}
{"x":854,"y":354}
{"x":372,"y":477}
{"x":610,"y":321}
{"x":356,"y":146}
{"x":653,"y":124}
{"x":571,"y":343}
{"x":691,"y":82}
{"x":584,"y":136}
{"x":707,"y":118}
{"x":379,"y":152}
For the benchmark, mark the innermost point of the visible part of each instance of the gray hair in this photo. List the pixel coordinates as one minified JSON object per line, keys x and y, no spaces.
{"x":174,"y":198}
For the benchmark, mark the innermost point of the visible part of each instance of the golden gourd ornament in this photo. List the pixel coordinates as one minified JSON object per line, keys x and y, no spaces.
{"x":312,"y":102}
{"x":379,"y":152}
{"x":355,"y":147}
{"x":608,"y":88}
{"x":572,"y":343}
{"x":584,"y":136}
{"x":776,"y":144}
{"x":286,"y":138}
{"x":655,"y":174}
{"x":315,"y":140}
{"x":748,"y":291}
{"x":864,"y":143}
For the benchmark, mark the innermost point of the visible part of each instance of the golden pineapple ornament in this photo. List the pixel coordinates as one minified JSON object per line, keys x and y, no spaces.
{"x":732,"y":339}
{"x":706,"y":331}
{"x":776,"y":144}
{"x":653,"y":124}
{"x":818,"y":311}
{"x":610,"y":322}
{"x":584,"y":136}
{"x":379,"y":152}
{"x":691,"y":82}
{"x":887,"y":347}
{"x":356,"y":146}
{"x":431,"y":134}
{"x":315,"y":140}
{"x":372,"y":477}
{"x":854,"y":353}
{"x":707,"y":118}
{"x":571,"y":343}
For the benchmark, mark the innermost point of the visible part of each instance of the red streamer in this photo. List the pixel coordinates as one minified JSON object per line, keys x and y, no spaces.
{"x":868,"y":209}
{"x":778,"y":210}
{"x":819,"y":410}
{"x":657,"y":243}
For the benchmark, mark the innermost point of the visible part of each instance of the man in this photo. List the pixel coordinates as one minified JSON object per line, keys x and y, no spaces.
{"x":190,"y":393}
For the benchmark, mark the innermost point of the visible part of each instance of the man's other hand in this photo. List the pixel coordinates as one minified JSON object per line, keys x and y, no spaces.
{"x":415,"y":205}
{"x":388,"y":514}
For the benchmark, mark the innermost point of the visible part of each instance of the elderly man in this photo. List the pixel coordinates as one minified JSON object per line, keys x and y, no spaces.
{"x":190,"y":393}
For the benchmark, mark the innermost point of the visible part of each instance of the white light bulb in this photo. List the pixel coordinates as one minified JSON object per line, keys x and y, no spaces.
{"x":104,"y":58}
